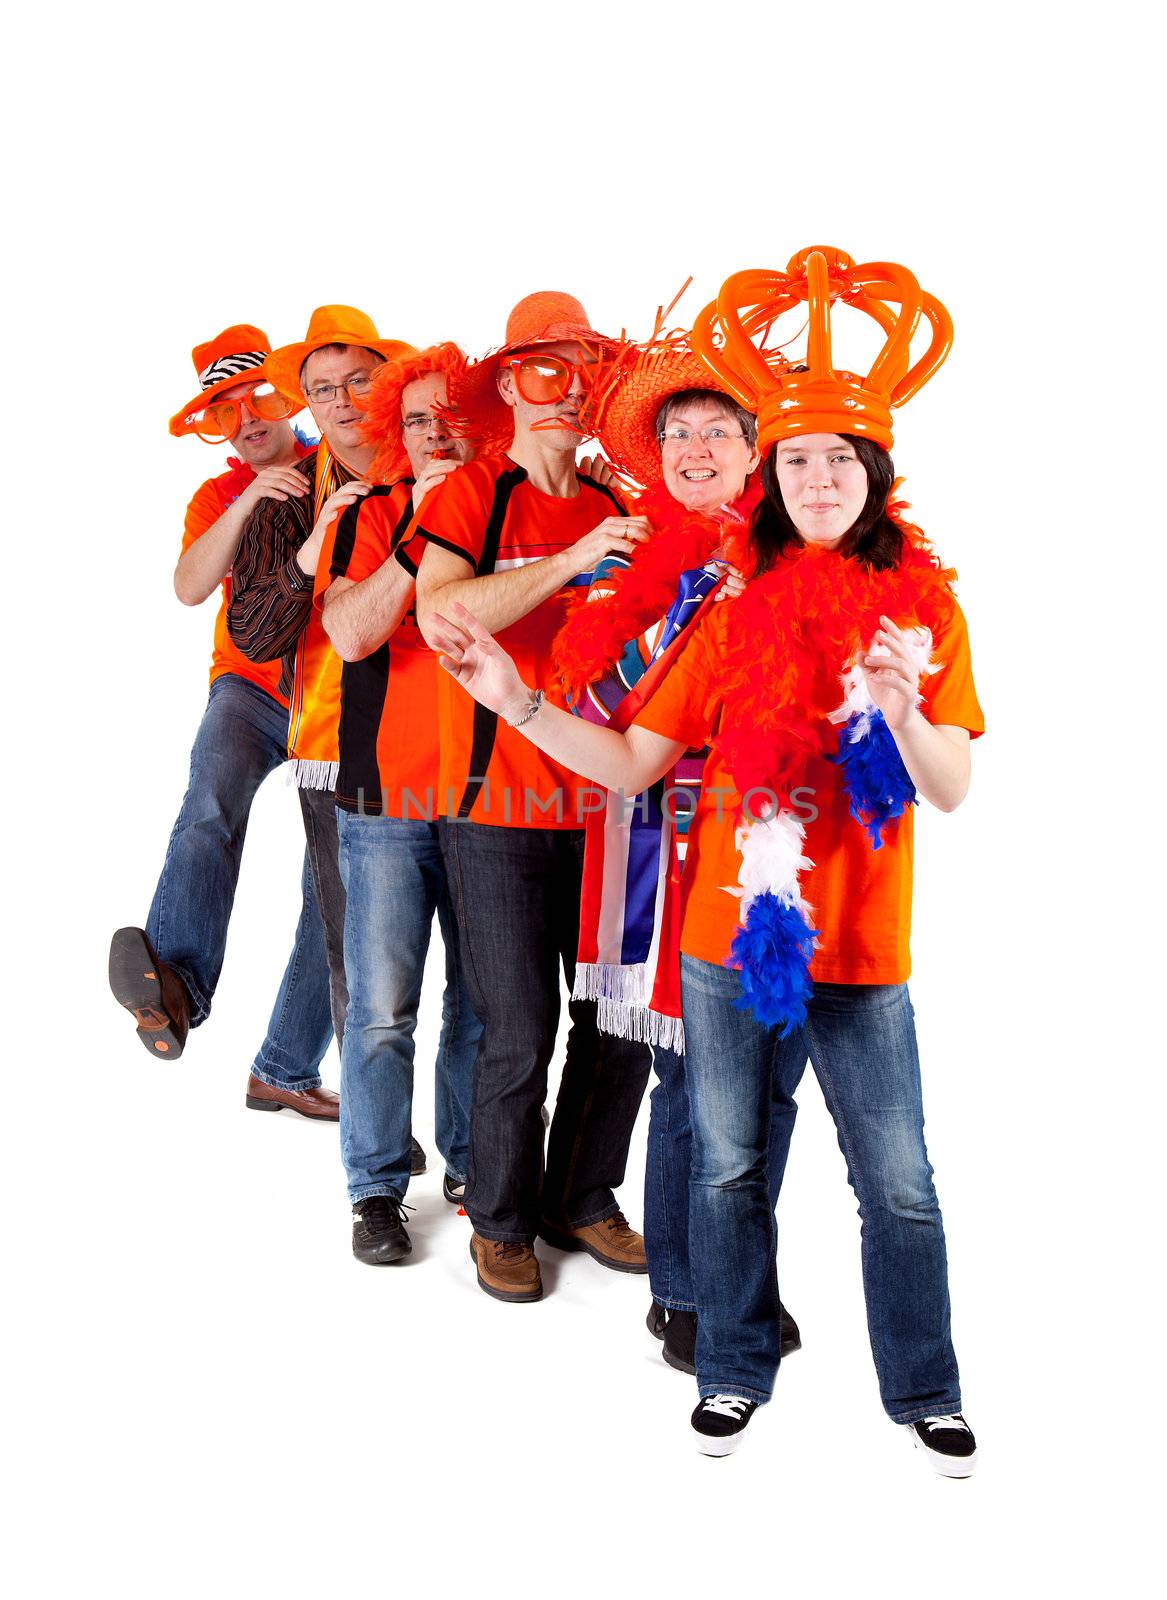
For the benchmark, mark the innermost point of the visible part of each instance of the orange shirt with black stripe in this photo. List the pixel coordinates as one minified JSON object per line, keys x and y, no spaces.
{"x":491,"y":515}
{"x":388,"y":701}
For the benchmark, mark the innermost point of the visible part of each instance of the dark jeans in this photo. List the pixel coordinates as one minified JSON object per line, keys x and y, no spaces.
{"x":861,"y":1039}
{"x":666,"y":1176}
{"x":242,"y":738}
{"x":516,"y":893}
{"x":318,"y":807}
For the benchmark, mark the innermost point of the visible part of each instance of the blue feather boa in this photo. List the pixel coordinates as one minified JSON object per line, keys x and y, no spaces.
{"x":874,"y":775}
{"x":773,"y":950}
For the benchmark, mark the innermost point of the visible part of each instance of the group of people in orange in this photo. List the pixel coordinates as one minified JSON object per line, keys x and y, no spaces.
{"x":655,"y":721}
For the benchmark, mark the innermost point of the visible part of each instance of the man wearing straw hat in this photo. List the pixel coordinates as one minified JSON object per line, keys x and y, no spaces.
{"x":271,"y":617}
{"x":165,"y":975}
{"x":510,"y":535}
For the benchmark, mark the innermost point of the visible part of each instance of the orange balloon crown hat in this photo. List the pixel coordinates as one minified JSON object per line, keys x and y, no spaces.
{"x":822,"y":398}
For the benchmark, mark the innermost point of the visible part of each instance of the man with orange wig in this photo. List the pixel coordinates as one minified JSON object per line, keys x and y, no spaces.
{"x":390,"y":857}
{"x":165,"y":974}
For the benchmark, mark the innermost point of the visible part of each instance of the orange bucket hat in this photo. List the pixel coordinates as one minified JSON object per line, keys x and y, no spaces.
{"x":821,"y":398}
{"x":546,"y":317}
{"x":382,"y":405}
{"x":328,"y":325}
{"x":234,"y":356}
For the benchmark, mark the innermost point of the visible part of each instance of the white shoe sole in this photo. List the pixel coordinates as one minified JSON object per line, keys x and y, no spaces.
{"x":709,"y":1445}
{"x":946,"y":1466}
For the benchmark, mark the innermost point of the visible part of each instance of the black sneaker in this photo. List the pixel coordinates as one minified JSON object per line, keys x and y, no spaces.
{"x":789,"y":1338}
{"x":656,"y":1319}
{"x":416,"y":1158}
{"x":948,"y":1442}
{"x":453,"y":1189}
{"x":379,"y":1235}
{"x":719,"y":1422}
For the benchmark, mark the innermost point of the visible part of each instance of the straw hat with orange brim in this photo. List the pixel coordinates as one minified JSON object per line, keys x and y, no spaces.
{"x":235,"y":356}
{"x":622,"y":412}
{"x":328,"y":325}
{"x":546,"y":317}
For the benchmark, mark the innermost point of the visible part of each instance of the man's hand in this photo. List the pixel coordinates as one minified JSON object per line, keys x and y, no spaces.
{"x":598,"y":470}
{"x":272,"y":483}
{"x":308,"y":554}
{"x":432,"y":473}
{"x":479,"y":663}
{"x":614,"y":534}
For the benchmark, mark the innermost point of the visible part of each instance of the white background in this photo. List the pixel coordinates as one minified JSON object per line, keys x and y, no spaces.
{"x":205,"y":1393}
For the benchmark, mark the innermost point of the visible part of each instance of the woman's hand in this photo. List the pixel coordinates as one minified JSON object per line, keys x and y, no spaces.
{"x":478,"y":662}
{"x":893,"y":668}
{"x":733,"y":586}
{"x":597,"y":469}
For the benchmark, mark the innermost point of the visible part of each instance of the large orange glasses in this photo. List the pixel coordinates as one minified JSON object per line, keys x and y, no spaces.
{"x":222,"y":419}
{"x":541,"y":380}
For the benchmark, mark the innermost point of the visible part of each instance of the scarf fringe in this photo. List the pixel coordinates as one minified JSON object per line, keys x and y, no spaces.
{"x":313,"y":774}
{"x":622,"y":1007}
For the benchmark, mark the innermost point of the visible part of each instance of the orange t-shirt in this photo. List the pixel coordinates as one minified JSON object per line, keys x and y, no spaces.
{"x":206,"y":507}
{"x":490,"y":515}
{"x":860,"y":898}
{"x":388,"y":701}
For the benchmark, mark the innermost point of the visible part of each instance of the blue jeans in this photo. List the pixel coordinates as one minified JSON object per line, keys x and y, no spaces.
{"x":395,"y":880}
{"x":666,"y":1177}
{"x":861,"y":1040}
{"x":241,"y":738}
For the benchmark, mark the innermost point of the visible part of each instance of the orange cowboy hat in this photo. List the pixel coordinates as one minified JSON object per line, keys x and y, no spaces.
{"x":328,"y":325}
{"x":546,"y":317}
{"x":622,"y":409}
{"x":382,"y":405}
{"x":236,"y":355}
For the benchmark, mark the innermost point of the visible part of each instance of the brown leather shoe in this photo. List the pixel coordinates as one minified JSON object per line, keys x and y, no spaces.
{"x":611,"y":1242}
{"x":153,"y":993}
{"x":506,"y":1270}
{"x":321,"y":1105}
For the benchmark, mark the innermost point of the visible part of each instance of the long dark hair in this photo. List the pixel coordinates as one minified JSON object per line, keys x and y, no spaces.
{"x":872,"y":538}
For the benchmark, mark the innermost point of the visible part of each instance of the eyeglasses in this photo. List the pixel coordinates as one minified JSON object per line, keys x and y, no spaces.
{"x":679,"y":437}
{"x":543,"y":379}
{"x":323,"y":394}
{"x":419,"y":425}
{"x":222,"y":419}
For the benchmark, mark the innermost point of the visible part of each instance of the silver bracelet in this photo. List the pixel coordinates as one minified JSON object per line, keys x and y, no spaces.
{"x":535,"y":702}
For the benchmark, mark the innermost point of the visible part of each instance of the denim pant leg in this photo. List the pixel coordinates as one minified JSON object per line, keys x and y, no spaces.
{"x":503,"y":882}
{"x":666,"y":1184}
{"x":241,"y":738}
{"x":457,"y":1047}
{"x":731,"y":1065}
{"x":862,"y":1041}
{"x":392,"y":873}
{"x":300,"y":1030}
{"x":318,"y":808}
{"x":601,"y":1086}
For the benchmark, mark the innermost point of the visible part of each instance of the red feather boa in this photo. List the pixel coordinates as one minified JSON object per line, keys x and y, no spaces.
{"x":795,"y":631}
{"x":593,"y":638}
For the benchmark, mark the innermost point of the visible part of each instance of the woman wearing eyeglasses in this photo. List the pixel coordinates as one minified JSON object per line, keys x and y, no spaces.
{"x":664,"y":424}
{"x":844,"y":670}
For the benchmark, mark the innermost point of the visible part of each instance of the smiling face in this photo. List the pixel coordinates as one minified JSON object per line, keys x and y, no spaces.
{"x":338,"y":419}
{"x":555,"y":424}
{"x":705,"y":474}
{"x":423,"y":432}
{"x":823,"y":485}
{"x":258,"y":442}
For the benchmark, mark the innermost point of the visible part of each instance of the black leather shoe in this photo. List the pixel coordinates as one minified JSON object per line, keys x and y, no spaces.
{"x":416,"y":1159}
{"x":657,"y":1318}
{"x":789,"y":1338}
{"x":679,"y":1333}
{"x":379,"y":1235}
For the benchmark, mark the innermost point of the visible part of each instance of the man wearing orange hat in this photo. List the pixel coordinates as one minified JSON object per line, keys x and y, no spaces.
{"x":166,"y":974}
{"x":390,"y":857}
{"x":271,"y":617}
{"x":510,"y":535}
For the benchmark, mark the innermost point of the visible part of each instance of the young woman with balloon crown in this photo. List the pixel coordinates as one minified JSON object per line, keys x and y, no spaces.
{"x":835,"y":691}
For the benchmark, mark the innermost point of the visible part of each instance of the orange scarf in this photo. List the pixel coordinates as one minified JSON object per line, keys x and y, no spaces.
{"x":314,"y":720}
